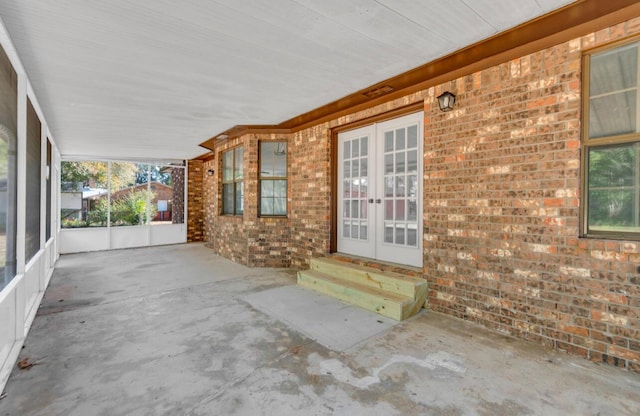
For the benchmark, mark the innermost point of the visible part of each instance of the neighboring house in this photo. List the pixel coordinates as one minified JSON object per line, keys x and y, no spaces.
{"x":492,"y":202}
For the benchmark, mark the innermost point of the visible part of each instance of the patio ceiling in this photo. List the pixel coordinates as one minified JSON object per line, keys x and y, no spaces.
{"x":155,"y":78}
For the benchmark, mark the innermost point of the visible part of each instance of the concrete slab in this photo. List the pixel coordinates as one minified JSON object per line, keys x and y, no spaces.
{"x":135,"y":338}
{"x":328,"y":321}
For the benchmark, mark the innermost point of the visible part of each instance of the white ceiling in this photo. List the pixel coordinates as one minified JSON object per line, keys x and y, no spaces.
{"x":155,"y":78}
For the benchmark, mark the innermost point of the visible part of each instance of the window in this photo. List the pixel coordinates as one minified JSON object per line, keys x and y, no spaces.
{"x":32,"y":204}
{"x":273,"y":178}
{"x":233,"y":182}
{"x":611,"y":143}
{"x":8,"y":169}
{"x":115,"y":194}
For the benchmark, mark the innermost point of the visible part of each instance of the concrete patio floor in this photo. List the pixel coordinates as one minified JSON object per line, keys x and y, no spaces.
{"x":176,"y":330}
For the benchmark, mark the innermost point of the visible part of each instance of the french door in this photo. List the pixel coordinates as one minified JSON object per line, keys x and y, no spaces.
{"x":380,"y":190}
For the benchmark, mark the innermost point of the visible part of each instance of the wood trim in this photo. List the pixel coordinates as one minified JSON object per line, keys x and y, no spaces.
{"x":570,"y":22}
{"x":238,"y":131}
{"x":388,"y":115}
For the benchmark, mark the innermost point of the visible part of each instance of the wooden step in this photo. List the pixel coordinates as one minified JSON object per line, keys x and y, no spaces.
{"x":389,"y":304}
{"x":386,"y":280}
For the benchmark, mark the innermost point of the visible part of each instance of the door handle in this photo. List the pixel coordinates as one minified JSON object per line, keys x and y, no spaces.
{"x":371,"y":200}
{"x":378,"y":201}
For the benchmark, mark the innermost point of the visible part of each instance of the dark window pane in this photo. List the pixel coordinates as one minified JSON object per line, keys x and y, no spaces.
{"x":227,"y":198}
{"x":8,"y":169}
{"x":239,"y":198}
{"x":32,"y":208}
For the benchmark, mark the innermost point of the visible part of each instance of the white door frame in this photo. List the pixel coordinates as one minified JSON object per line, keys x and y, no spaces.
{"x":374,"y":230}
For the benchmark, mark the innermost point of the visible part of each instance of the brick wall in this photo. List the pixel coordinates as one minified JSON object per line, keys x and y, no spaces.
{"x":195,"y":215}
{"x":501,"y":208}
{"x":209,"y":201}
{"x":246,"y":239}
{"x":502,"y":181}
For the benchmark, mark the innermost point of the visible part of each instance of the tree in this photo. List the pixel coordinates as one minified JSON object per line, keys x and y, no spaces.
{"x":75,"y":175}
{"x":155,"y":172}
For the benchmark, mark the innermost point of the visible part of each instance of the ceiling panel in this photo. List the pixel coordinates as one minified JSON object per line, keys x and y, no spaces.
{"x":154,"y":78}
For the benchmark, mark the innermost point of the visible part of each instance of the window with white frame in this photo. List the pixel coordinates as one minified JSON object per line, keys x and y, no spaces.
{"x":233,"y":181}
{"x":611,"y":142}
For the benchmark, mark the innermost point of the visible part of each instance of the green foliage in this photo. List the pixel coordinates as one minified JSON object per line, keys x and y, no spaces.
{"x":97,"y":217}
{"x":96,"y":174}
{"x":155,"y":172}
{"x":612,"y":186}
{"x":131,"y":209}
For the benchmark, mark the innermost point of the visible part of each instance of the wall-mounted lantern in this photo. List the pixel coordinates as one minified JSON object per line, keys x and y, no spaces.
{"x":446,"y":100}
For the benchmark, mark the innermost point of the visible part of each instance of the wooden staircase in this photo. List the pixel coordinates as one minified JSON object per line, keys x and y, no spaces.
{"x":391,"y":294}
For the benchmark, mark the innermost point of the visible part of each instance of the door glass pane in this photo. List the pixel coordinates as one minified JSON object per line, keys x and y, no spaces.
{"x":388,"y":141}
{"x":354,"y":169}
{"x":388,"y":164}
{"x":364,"y":206}
{"x":412,"y":237}
{"x":347,"y":209}
{"x":388,"y":233}
{"x":400,"y":234}
{"x":412,"y":161}
{"x":412,"y":137}
{"x":412,"y":212}
{"x":364,"y":167}
{"x":354,"y":230}
{"x":347,"y":149}
{"x":412,"y":185}
{"x":364,"y":146}
{"x":363,"y":231}
{"x":388,"y":209}
{"x":400,"y":167}
{"x":400,"y":144}
{"x":346,"y":169}
{"x":400,"y":188}
{"x":364,"y":188}
{"x":355,"y":148}
{"x":388,"y":186}
{"x":400,"y":204}
{"x":346,"y":229}
{"x":355,"y":208}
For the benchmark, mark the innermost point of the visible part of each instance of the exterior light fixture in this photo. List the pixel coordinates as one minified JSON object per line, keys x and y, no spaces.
{"x":210,"y":172}
{"x":446,"y":101}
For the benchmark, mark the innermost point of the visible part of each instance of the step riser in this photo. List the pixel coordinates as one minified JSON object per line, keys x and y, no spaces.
{"x":370,"y":278}
{"x":352,"y":296}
